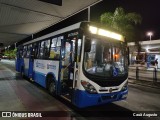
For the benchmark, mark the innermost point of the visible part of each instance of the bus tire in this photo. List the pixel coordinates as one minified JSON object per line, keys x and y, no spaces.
{"x":51,"y":86}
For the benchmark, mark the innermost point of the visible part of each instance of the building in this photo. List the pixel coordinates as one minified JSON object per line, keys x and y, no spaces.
{"x":149,"y":52}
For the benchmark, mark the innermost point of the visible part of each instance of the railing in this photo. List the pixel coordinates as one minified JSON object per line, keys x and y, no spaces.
{"x":142,"y":73}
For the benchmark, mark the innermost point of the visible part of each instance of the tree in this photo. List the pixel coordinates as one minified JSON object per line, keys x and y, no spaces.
{"x":125,"y":23}
{"x":10,"y":53}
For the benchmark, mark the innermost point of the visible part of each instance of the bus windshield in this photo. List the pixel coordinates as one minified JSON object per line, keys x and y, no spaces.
{"x":105,"y":58}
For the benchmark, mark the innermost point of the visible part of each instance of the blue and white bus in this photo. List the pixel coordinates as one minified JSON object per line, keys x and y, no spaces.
{"x":84,"y":63}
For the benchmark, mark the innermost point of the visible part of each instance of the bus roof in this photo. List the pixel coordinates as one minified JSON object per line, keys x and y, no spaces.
{"x":66,"y":29}
{"x":77,"y":26}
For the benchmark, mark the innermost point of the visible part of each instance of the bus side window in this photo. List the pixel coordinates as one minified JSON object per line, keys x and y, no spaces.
{"x":25,"y":51}
{"x":38,"y":50}
{"x":67,"y":53}
{"x":28,"y":50}
{"x":41,"y":50}
{"x":53,"y":48}
{"x":58,"y":47}
{"x":35,"y":50}
{"x":46,"y":49}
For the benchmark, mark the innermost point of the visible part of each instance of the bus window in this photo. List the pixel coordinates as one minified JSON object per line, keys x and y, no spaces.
{"x":118,"y":58}
{"x":46,"y":49}
{"x":38,"y":50}
{"x":21,"y":53}
{"x":25,"y":51}
{"x":58,"y":47}
{"x":35,"y":49}
{"x":79,"y":50}
{"x":67,"y":53}
{"x":28,"y":50}
{"x":73,"y":50}
{"x":41,"y":50}
{"x":55,"y":48}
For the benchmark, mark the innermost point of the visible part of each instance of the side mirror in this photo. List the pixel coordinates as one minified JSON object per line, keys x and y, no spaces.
{"x":87,"y":45}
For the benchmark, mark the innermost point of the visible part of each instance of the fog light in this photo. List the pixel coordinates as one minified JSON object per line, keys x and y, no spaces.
{"x":124,"y":96}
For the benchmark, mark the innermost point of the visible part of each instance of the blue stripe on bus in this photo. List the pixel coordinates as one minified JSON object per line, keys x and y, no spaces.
{"x":84,"y":99}
{"x":40,"y":78}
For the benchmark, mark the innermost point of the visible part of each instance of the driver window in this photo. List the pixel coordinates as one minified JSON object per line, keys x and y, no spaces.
{"x":118,"y":58}
{"x":107,"y":54}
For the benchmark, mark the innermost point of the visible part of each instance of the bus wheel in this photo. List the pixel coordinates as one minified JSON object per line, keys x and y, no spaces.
{"x":52,"y":88}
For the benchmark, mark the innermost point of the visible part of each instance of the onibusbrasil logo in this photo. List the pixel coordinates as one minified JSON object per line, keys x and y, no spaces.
{"x":21,"y":114}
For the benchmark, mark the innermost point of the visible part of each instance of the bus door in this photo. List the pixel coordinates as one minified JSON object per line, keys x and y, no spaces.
{"x":18,"y":67}
{"x":31,"y":63}
{"x":19,"y":60}
{"x":67,"y":70}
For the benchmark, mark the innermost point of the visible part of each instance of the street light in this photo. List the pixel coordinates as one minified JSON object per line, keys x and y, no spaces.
{"x":150,"y":35}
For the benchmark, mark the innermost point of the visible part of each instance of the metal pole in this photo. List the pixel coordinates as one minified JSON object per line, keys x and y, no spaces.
{"x":89,"y":12}
{"x":137,"y":73}
{"x":155,"y":75}
{"x":15,"y":44}
{"x":150,"y":37}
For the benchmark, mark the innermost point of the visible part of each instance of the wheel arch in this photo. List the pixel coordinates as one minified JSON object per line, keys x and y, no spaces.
{"x":52,"y":75}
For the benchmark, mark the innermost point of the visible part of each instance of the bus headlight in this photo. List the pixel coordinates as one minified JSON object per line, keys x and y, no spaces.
{"x":88,"y":87}
{"x":125,"y":86}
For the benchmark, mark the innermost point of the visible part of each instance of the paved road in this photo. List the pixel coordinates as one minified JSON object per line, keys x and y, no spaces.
{"x":17,"y":94}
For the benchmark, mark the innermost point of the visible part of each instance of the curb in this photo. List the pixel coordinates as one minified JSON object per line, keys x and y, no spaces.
{"x":151,"y":86}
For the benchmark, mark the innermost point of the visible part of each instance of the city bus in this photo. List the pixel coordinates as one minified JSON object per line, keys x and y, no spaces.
{"x":84,"y":63}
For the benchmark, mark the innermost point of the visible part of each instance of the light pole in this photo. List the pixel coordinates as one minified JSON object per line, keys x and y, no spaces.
{"x":150,"y":35}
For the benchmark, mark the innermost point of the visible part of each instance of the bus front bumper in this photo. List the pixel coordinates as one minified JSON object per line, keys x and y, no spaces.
{"x":84,"y":99}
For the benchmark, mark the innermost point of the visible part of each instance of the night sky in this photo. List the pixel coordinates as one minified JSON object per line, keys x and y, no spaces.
{"x":148,"y":9}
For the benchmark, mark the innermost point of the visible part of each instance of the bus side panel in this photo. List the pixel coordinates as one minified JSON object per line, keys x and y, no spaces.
{"x":18,"y":64}
{"x":42,"y":68}
{"x":84,"y":99}
{"x":26,"y":66}
{"x":40,"y":78}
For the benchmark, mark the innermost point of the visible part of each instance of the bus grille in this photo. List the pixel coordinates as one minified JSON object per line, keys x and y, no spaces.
{"x":109,"y":83}
{"x":109,"y":97}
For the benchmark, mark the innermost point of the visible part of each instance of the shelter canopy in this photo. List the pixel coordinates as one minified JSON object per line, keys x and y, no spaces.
{"x":22,"y":18}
